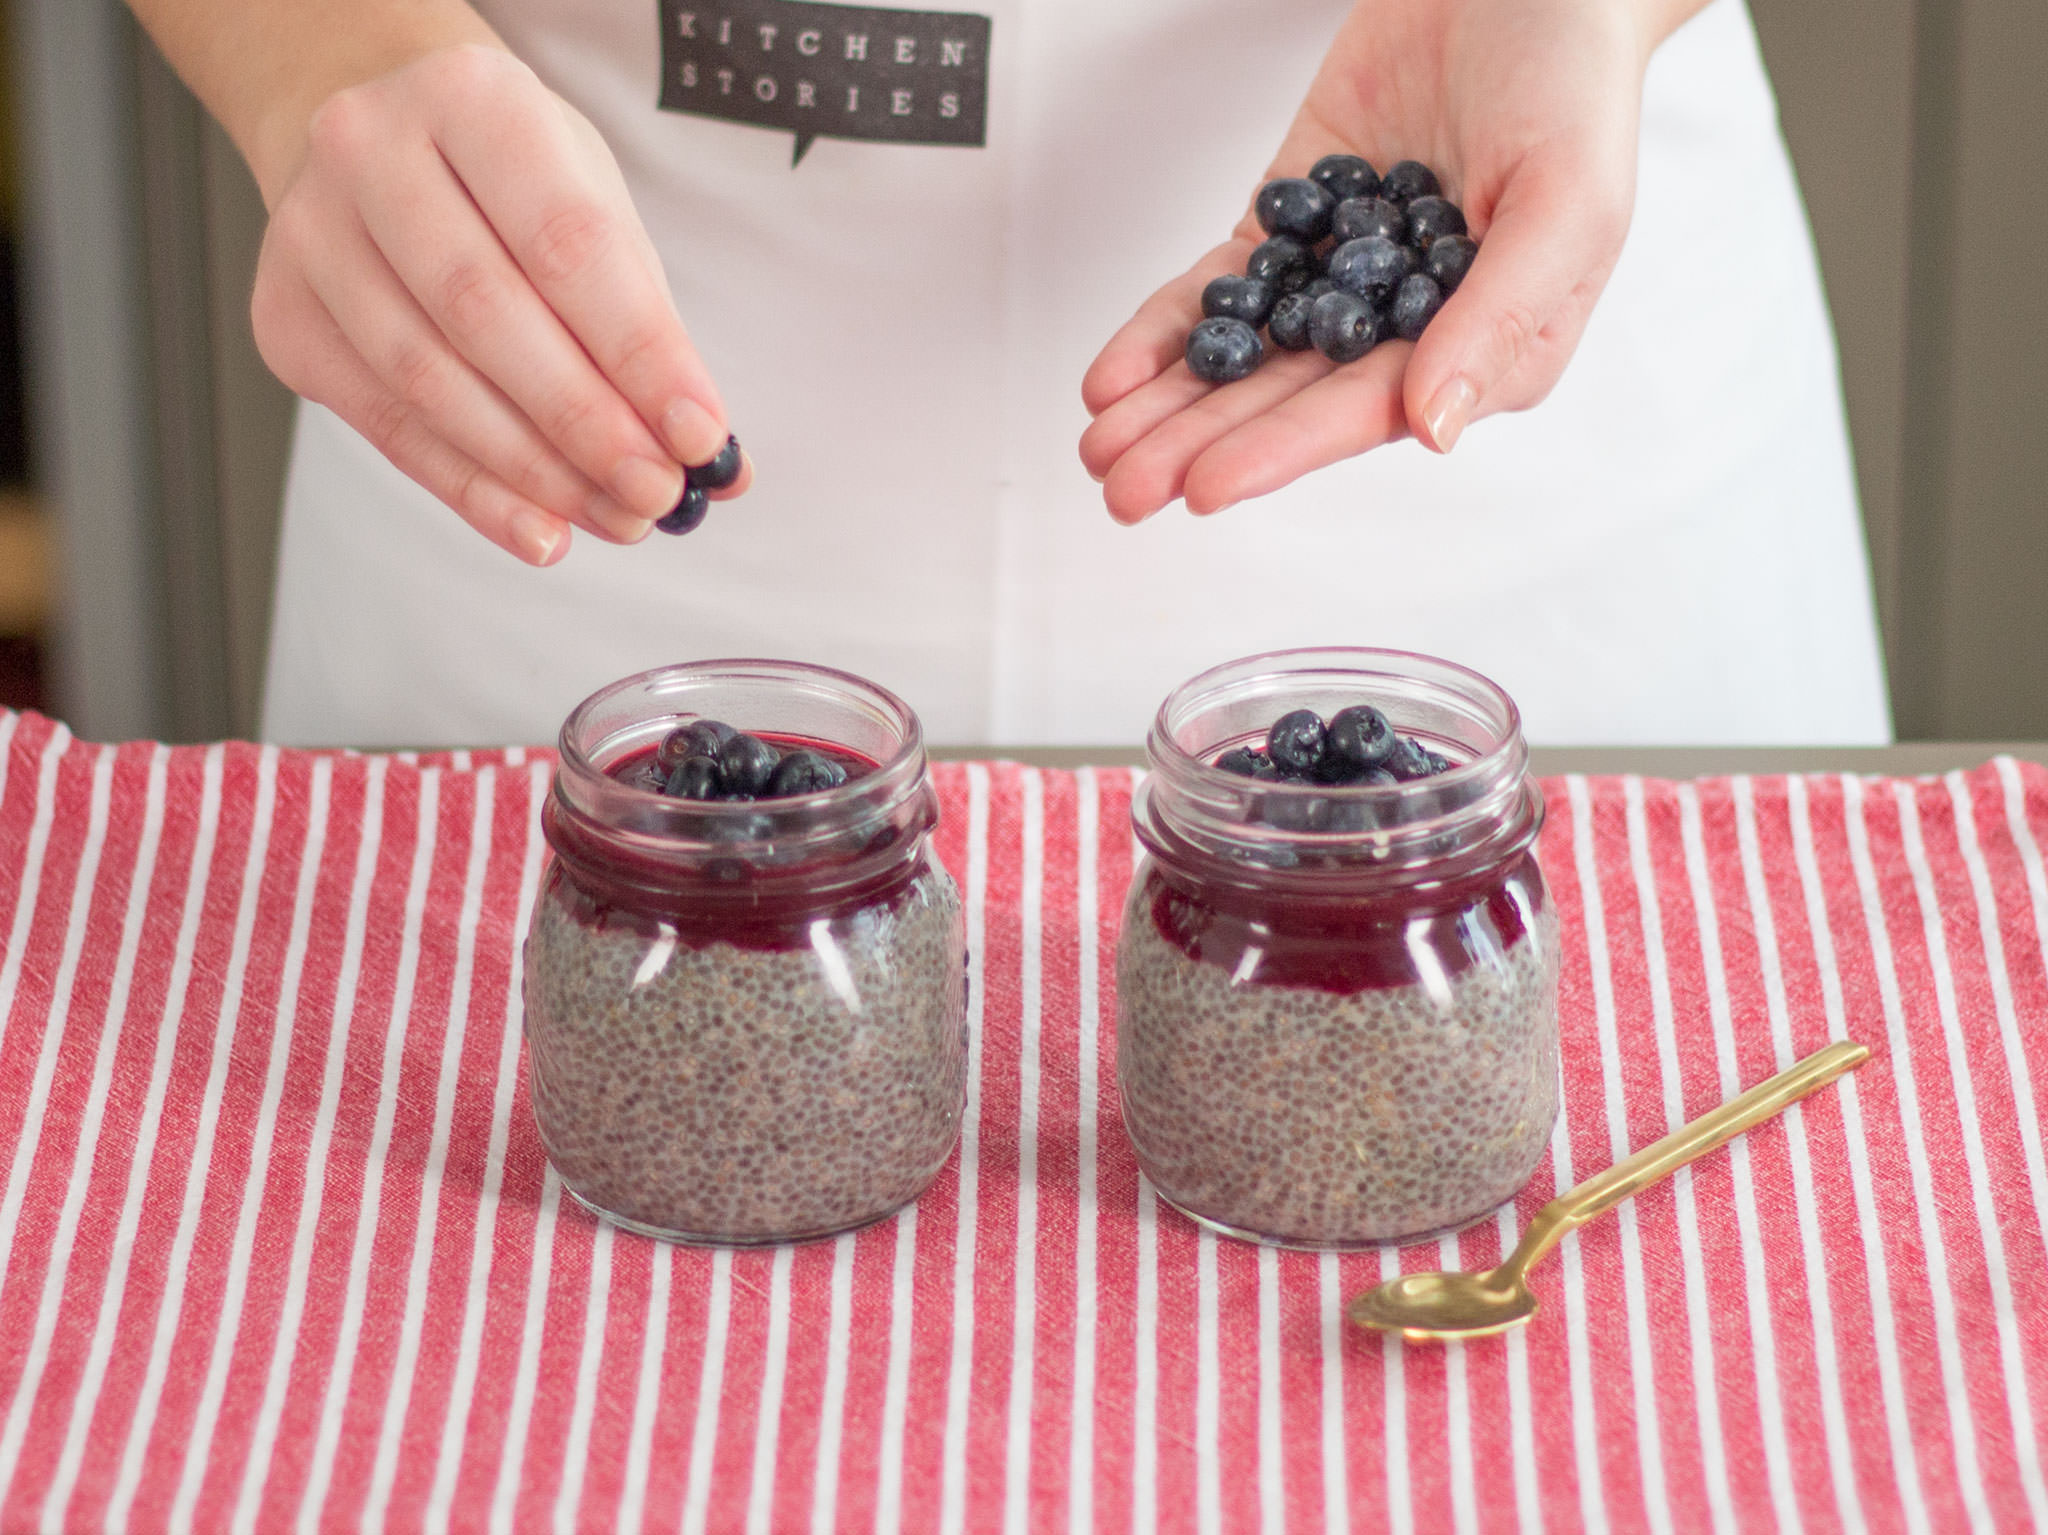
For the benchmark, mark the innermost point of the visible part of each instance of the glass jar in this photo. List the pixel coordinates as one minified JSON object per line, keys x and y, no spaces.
{"x":1336,"y":1006}
{"x":745,"y":1021}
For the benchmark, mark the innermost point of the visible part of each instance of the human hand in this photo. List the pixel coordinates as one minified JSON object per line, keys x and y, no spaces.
{"x":456,"y":269}
{"x":1527,"y":110}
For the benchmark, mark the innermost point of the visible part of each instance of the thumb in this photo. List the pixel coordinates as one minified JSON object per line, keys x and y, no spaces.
{"x":1502,"y":339}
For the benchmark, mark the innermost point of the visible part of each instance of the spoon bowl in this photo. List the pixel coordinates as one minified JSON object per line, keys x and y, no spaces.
{"x":1424,"y":1307}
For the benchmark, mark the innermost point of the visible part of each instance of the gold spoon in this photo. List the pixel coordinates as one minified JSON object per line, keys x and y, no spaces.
{"x":1427,"y":1308}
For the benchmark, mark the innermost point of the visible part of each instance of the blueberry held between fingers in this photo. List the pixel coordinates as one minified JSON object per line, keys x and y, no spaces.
{"x":1371,"y":268}
{"x":696,"y":778}
{"x":1415,"y":305}
{"x":1221,"y":350}
{"x":1362,"y":217}
{"x":1287,"y":325}
{"x":1296,"y":741}
{"x":1430,"y":219}
{"x":1360,"y":736}
{"x":1344,"y":176}
{"x":1239,"y":298}
{"x":688,"y":512}
{"x":747,"y":763}
{"x":720,"y":470}
{"x":805,"y":772}
{"x":1449,"y":259}
{"x":1296,"y":206}
{"x":1342,"y":326}
{"x":1408,"y":180}
{"x":1279,"y":259}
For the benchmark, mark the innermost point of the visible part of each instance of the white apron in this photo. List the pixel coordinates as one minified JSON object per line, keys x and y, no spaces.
{"x":1667,"y":550}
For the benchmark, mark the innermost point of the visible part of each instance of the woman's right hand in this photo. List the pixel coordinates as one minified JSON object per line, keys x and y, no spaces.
{"x":456,"y":269}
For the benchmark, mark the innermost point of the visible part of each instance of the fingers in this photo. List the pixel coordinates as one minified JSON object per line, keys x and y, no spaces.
{"x":1154,"y":338}
{"x":1348,"y":411}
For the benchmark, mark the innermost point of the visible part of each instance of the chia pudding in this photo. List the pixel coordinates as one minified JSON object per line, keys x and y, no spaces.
{"x":745,"y":1021}
{"x":1336,"y":995}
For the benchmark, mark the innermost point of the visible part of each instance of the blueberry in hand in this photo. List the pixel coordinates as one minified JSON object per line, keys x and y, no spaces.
{"x":1430,"y":219}
{"x":1408,"y":180}
{"x":1360,"y":736}
{"x":688,"y":512}
{"x":1415,"y":305}
{"x":1371,"y":268}
{"x":747,"y":763}
{"x":1318,"y":287}
{"x":806,"y":772}
{"x":1449,"y":259}
{"x":1287,"y":325}
{"x":696,"y":778}
{"x":1275,"y":260}
{"x":720,"y":470}
{"x":1222,"y":349}
{"x":1294,"y":206}
{"x":1345,"y":176}
{"x":1296,"y":741}
{"x":1342,"y":326}
{"x":1363,"y":217}
{"x":1239,"y":298}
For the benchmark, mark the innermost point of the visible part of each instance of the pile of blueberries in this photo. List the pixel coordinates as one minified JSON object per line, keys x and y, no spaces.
{"x":698,"y":481}
{"x":1351,"y":259}
{"x":1357,"y":746}
{"x":709,"y":760}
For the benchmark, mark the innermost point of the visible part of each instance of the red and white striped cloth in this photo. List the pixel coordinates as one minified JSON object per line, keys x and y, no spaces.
{"x":283,"y":1251}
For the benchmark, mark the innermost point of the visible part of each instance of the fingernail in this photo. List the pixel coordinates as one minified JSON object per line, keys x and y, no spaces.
{"x":537,"y":536}
{"x":1446,"y":415}
{"x":691,"y":432}
{"x":647,"y":488}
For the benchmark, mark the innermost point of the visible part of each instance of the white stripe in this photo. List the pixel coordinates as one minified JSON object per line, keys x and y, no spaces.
{"x":1208,"y":1455}
{"x":710,"y":1388}
{"x":1024,"y":1319}
{"x":9,"y":720}
{"x":1458,"y":1409}
{"x":334,"y":1406}
{"x":832,"y":1409}
{"x":1884,"y":1326}
{"x":896,"y":1383}
{"x":2018,"y":1060}
{"x":426,"y":1224}
{"x":526,"y":1373}
{"x":1642,"y":1364}
{"x":1521,"y":1406}
{"x":70,"y":1461}
{"x":483,"y":1237}
{"x":199,"y":1166}
{"x":1997,"y":1270}
{"x":28,"y":1384}
{"x":1330,"y":1307}
{"x":953,"y":1465}
{"x":1087,"y":917}
{"x":1394,"y":1390}
{"x":1941,"y":1294}
{"x":242,"y":1251}
{"x":1826,"y":1362}
{"x":1145,"y":1386}
{"x":1775,"y":1431}
{"x":299,"y":1273}
{"x":768,"y":1420}
{"x":1578,"y":1348}
{"x":583,"y":1406}
{"x":1692,"y":1259}
{"x":647,"y":1395}
{"x":1272,"y":1497}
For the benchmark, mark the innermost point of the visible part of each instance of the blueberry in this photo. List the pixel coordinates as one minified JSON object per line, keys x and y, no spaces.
{"x":1277,"y":259}
{"x":1294,"y":206}
{"x":1288,"y":323}
{"x":1371,"y":268}
{"x":1318,"y":287}
{"x":1242,"y":761}
{"x":1360,"y":737}
{"x":1449,"y":259}
{"x":706,"y":738}
{"x":695,"y":778}
{"x":806,"y":772}
{"x":1292,"y":812}
{"x":1296,"y":741}
{"x":1223,"y":349}
{"x":722,"y":469}
{"x":668,"y":756}
{"x":1407,"y":760}
{"x":1408,"y":180}
{"x":689,"y":510}
{"x":1343,"y":326}
{"x":1345,"y":176}
{"x":1294,"y":279}
{"x":1363,"y":217}
{"x":1239,"y":298}
{"x":1437,"y":762}
{"x":1430,"y":219}
{"x":748,"y":762}
{"x":1415,"y":305}
{"x":1341,"y":815}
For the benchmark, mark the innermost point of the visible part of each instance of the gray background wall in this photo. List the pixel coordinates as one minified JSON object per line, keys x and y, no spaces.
{"x":1916,"y":126}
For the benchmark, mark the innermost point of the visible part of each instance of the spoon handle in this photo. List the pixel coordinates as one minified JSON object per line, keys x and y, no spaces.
{"x":1660,"y":1159}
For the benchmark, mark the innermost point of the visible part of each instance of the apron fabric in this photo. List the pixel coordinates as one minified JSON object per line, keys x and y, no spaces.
{"x":1667,"y":550}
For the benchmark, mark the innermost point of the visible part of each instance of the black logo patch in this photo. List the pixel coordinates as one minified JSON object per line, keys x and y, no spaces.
{"x":828,"y":71}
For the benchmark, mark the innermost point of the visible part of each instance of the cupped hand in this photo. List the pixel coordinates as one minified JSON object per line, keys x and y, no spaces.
{"x":456,"y":269}
{"x":1528,"y":111}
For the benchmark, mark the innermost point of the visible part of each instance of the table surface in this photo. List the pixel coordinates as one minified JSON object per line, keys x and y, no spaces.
{"x":284,"y":1249}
